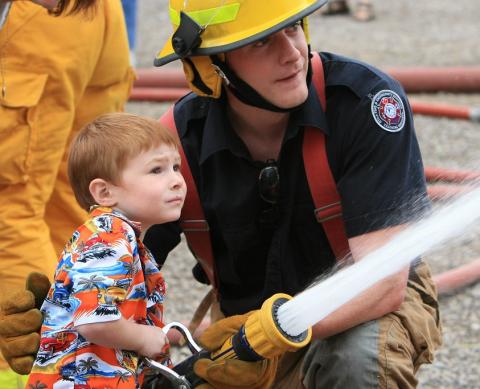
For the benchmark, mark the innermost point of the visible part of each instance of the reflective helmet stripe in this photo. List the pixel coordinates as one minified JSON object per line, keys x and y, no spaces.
{"x":217,"y":15}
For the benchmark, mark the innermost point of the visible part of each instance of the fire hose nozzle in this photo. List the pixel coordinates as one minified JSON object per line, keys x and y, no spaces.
{"x":262,"y":336}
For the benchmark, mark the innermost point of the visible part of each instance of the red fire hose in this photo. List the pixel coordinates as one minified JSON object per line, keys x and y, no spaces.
{"x":445,"y":110}
{"x":157,"y":94}
{"x":435,"y":174}
{"x":172,"y":93}
{"x":436,"y":79}
{"x":160,"y":78}
{"x":458,"y":277}
{"x":413,"y":79}
{"x":169,"y":85}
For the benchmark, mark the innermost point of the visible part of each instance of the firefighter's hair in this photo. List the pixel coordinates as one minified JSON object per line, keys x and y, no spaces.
{"x":103,"y":147}
{"x":71,"y":7}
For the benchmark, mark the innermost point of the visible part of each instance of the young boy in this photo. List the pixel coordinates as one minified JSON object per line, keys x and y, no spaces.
{"x":104,"y":309}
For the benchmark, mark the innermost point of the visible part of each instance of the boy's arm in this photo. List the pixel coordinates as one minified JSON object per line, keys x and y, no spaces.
{"x":115,"y":330}
{"x":123,"y":334}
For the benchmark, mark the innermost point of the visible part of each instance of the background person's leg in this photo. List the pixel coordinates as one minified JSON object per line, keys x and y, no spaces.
{"x":63,"y":214}
{"x":130,"y":11}
{"x":25,"y":243}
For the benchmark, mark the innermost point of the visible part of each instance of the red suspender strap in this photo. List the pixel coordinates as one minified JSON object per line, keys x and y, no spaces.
{"x":328,"y":209}
{"x":193,"y":221}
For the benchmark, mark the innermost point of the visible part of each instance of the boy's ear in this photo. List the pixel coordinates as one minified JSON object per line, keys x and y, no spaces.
{"x":102,"y":192}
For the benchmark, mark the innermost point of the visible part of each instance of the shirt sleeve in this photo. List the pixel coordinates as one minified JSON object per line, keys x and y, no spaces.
{"x":381,"y":178}
{"x":101,"y":275}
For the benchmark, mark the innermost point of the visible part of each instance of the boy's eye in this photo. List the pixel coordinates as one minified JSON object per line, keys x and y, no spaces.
{"x":156,"y":170}
{"x":176,"y":167}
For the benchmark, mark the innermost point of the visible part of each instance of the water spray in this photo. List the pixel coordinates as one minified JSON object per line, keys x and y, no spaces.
{"x":317,"y":302}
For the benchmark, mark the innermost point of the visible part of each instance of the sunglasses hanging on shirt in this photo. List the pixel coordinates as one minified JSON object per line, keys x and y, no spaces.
{"x":269,"y":191}
{"x":269,"y":182}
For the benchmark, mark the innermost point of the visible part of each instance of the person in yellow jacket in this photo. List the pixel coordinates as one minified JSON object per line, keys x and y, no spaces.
{"x":56,"y":74}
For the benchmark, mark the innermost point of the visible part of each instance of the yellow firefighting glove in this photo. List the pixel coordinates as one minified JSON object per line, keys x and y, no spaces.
{"x":232,"y":373}
{"x":20,"y":322}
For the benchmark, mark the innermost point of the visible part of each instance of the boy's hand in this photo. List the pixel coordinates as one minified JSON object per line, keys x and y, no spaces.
{"x":20,"y":322}
{"x":155,"y":343}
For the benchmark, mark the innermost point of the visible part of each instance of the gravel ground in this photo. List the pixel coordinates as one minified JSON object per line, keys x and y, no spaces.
{"x":405,"y":33}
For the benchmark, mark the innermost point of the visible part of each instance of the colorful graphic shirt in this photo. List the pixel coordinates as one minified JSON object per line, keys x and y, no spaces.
{"x":104,"y":273}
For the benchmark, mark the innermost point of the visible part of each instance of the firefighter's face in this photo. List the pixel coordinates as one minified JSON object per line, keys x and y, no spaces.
{"x":276,"y":67}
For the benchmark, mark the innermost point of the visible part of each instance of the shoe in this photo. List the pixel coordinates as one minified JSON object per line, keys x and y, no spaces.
{"x":335,"y":7}
{"x":364,"y":11}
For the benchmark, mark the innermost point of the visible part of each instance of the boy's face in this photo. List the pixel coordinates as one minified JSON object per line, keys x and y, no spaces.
{"x":151,"y":188}
{"x":276,"y":67}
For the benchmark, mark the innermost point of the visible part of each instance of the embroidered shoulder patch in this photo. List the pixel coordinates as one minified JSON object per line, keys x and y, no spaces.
{"x":388,"y":111}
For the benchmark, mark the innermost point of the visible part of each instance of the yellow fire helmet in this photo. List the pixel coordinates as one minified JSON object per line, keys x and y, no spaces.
{"x":208,"y":28}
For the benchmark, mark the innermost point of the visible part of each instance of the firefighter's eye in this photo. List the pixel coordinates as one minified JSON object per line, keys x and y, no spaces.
{"x":261,"y":42}
{"x":294,"y":27}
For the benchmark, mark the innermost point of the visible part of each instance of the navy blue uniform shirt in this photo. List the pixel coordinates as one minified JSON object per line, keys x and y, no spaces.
{"x":261,"y":250}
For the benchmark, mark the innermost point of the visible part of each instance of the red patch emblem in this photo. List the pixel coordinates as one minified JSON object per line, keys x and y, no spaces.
{"x":388,"y":110}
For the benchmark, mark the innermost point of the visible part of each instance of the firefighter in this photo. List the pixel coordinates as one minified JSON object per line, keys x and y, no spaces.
{"x":249,"y":64}
{"x":57,"y":73}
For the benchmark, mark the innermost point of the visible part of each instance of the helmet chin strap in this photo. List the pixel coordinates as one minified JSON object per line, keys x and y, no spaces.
{"x":248,"y":95}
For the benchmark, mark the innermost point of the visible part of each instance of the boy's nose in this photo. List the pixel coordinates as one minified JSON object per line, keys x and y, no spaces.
{"x":178,"y":181}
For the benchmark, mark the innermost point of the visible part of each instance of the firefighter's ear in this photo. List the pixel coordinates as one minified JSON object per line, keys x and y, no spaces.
{"x":103,"y":192}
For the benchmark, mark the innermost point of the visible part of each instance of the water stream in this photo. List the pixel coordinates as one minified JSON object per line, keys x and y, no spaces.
{"x":318,"y":301}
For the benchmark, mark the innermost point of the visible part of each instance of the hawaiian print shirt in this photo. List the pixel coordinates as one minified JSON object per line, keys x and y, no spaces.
{"x":104,"y":273}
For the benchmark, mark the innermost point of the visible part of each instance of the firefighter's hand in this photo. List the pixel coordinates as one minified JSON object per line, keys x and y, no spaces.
{"x":20,"y":322}
{"x":232,"y":373}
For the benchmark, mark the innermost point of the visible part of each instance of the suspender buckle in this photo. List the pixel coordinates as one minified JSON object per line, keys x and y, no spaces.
{"x":328,"y":212}
{"x":193,"y":225}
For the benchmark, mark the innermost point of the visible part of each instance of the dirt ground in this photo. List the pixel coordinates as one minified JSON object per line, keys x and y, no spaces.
{"x":404,"y":33}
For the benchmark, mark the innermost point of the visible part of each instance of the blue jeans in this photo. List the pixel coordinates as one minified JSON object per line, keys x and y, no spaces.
{"x":130,"y":11}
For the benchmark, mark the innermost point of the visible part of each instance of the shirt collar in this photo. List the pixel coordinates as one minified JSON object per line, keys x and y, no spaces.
{"x":310,"y":114}
{"x":97,"y":210}
{"x":218,"y":135}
